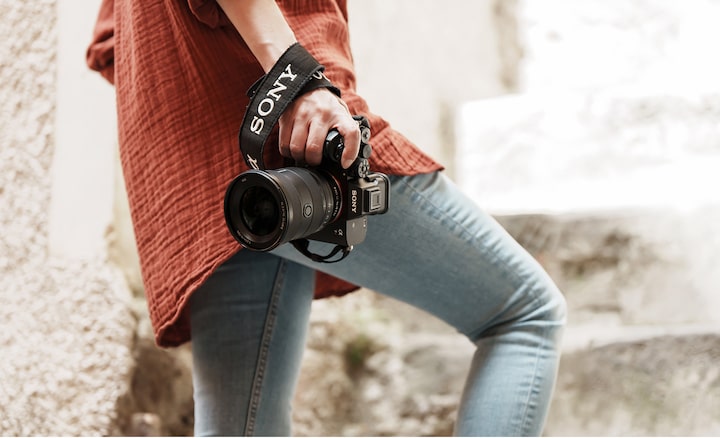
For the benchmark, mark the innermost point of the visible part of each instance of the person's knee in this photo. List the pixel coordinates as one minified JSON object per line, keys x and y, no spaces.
{"x":535,"y":306}
{"x":556,"y":303}
{"x":548,"y":306}
{"x":537,"y":303}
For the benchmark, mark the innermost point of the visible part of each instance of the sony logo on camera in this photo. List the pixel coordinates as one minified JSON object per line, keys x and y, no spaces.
{"x":354,"y":200}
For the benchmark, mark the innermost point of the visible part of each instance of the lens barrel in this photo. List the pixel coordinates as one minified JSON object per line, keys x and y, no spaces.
{"x":264,"y":209}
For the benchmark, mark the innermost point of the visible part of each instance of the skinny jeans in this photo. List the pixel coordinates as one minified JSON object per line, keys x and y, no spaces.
{"x":434,"y":249}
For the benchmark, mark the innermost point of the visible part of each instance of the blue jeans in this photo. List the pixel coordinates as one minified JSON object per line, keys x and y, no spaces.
{"x":434,"y":249}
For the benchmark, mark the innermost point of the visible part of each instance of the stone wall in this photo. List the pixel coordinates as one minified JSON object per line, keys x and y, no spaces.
{"x":65,"y":325}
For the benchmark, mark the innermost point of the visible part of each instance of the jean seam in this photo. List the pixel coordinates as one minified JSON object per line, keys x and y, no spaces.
{"x":530,"y":411}
{"x":256,"y":392}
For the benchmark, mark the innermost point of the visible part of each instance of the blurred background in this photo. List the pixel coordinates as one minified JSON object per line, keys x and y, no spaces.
{"x":589,"y":129}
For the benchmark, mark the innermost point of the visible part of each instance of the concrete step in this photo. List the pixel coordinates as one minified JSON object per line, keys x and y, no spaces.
{"x":641,"y":267}
{"x":660,"y":386}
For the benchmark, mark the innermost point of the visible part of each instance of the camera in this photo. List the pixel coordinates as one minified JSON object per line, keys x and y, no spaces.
{"x":267,"y":208}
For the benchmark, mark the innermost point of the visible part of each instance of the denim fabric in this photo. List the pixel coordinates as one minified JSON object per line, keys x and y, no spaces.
{"x":434,"y":249}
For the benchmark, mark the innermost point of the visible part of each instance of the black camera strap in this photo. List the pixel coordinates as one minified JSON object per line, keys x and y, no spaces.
{"x":295,"y":73}
{"x":302,"y":245}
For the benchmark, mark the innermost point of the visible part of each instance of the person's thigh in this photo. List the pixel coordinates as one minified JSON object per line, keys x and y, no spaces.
{"x":249,"y":324}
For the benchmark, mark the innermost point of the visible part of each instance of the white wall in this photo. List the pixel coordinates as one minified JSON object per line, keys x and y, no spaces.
{"x":650,"y":44}
{"x":617,"y":107}
{"x":85,"y":137}
{"x":417,"y":60}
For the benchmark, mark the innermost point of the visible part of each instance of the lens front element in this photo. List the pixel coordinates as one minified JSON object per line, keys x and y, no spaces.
{"x":259,"y":211}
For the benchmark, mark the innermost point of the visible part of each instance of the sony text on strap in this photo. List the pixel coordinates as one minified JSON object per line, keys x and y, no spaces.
{"x":295,"y":73}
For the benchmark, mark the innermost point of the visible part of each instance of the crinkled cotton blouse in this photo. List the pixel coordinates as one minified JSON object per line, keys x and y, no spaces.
{"x":181,"y":72}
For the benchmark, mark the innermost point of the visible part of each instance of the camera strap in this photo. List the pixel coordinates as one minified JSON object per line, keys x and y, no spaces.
{"x":295,"y":73}
{"x":302,"y":245}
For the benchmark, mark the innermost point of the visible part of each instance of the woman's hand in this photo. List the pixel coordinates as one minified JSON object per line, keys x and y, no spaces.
{"x":306,"y":122}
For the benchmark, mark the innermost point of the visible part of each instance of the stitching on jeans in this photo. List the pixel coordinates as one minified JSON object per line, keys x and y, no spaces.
{"x":264,"y":348}
{"x":531,"y":401}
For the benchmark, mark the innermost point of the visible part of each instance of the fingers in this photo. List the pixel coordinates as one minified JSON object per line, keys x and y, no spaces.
{"x":306,"y":122}
{"x":306,"y":142}
{"x":351,"y":135}
{"x":317,"y":132}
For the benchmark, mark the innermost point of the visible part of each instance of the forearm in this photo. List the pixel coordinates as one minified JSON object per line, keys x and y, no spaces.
{"x":263,"y":27}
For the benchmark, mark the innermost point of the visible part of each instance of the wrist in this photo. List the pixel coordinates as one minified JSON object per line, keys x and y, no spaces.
{"x":318,"y":80}
{"x":268,"y":53}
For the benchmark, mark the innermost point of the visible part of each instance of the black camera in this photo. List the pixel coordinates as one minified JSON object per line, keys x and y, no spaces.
{"x":266,"y":208}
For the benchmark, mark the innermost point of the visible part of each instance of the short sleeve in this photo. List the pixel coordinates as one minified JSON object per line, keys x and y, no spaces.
{"x":209,"y":13}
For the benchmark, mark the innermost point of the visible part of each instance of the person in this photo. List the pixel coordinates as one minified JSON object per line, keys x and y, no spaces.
{"x":181,"y":71}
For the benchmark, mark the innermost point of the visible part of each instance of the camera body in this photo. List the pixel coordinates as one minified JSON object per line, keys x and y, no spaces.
{"x":326,"y":203}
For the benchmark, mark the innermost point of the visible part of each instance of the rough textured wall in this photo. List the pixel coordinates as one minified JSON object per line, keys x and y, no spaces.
{"x":65,"y":326}
{"x":27,"y":86}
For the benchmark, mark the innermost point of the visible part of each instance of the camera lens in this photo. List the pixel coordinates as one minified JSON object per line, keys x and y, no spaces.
{"x":264,"y":209}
